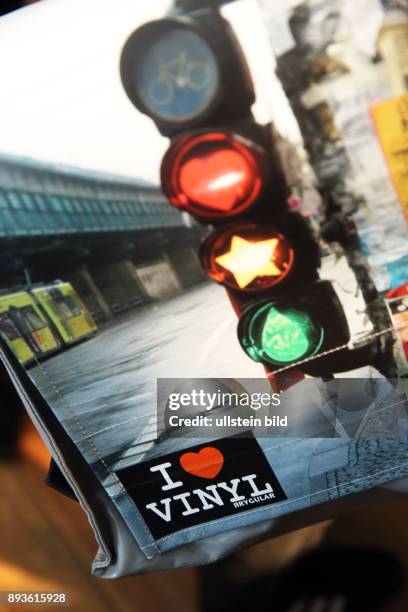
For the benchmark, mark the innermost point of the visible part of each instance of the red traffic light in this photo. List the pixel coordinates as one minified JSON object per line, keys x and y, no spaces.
{"x":247,"y":257}
{"x":213,"y":174}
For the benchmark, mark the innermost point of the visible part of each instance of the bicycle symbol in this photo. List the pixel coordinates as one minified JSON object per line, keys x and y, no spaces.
{"x":283,"y":340}
{"x":179,"y":73}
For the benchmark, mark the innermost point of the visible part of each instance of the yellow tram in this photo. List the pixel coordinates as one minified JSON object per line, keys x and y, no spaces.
{"x":38,"y":321}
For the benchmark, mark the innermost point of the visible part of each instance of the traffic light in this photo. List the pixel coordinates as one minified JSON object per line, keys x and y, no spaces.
{"x":188,"y":73}
{"x":214,"y":174}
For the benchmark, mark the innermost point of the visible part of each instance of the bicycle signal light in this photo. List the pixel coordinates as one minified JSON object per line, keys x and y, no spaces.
{"x":176,"y":75}
{"x":278,"y":334}
{"x":188,"y":73}
{"x":247,"y":257}
{"x":214,"y":175}
{"x":183,"y":71}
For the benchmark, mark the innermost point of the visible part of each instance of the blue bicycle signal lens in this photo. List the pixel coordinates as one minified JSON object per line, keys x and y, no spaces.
{"x":177,"y":76}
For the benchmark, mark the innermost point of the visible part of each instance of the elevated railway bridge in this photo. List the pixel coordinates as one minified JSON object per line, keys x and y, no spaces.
{"x":115,"y":238}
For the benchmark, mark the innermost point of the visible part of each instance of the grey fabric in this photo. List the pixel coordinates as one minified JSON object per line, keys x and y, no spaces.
{"x":118,"y":553}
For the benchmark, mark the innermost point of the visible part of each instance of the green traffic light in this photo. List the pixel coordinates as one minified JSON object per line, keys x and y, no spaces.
{"x":287,"y":337}
{"x":281,"y":335}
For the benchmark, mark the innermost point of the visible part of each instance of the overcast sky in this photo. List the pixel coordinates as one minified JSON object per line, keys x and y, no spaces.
{"x":61,"y":98}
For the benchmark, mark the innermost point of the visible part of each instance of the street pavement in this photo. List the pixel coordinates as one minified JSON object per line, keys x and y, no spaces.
{"x":109,"y":381}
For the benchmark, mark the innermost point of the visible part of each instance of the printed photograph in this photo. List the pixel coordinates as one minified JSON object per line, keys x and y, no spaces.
{"x":204,"y":293}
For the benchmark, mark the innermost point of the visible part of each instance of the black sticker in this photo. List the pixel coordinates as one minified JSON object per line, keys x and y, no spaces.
{"x":201,"y":483}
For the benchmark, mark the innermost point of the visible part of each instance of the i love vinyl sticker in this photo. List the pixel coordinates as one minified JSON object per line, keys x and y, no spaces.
{"x":202,"y":483}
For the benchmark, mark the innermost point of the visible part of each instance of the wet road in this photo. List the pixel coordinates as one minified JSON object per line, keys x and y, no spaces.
{"x":110,"y":380}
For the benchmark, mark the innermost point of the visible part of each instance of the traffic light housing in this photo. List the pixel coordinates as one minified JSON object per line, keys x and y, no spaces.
{"x":188,"y":73}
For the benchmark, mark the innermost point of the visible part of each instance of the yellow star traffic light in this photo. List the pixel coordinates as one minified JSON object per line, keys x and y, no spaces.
{"x":247,"y":256}
{"x":246,"y":260}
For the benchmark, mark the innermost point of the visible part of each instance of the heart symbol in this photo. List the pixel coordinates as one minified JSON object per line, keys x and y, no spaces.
{"x":218,"y":180}
{"x":207,"y":463}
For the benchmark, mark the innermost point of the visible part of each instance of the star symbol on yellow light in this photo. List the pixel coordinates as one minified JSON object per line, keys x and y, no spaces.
{"x":246,"y":260}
